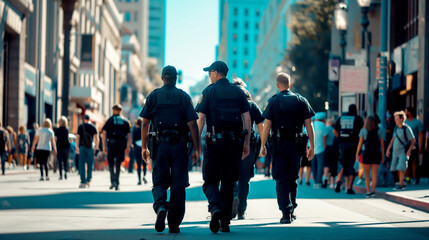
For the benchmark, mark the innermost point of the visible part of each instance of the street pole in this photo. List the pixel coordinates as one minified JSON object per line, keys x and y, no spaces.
{"x":383,"y":68}
{"x":366,"y":44}
{"x":343,"y":44}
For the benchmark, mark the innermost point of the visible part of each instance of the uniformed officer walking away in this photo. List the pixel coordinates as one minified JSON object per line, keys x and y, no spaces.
{"x":171,"y":114}
{"x":247,"y":165}
{"x":224,"y":107}
{"x":347,"y":128}
{"x":116,"y":143}
{"x":286,"y":113}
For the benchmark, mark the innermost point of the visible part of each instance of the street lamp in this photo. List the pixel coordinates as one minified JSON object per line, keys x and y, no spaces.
{"x":340,"y":15}
{"x":366,"y":44}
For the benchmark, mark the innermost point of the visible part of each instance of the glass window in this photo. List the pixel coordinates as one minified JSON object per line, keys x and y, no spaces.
{"x":246,"y":37}
{"x":235,"y":25}
{"x":234,"y":64}
{"x":257,"y":12}
{"x":234,"y":51}
{"x":246,"y":51}
{"x":257,"y":25}
{"x":127,"y":16}
{"x":234,"y":37}
{"x":246,"y":25}
{"x":128,"y":0}
{"x":136,"y":16}
{"x":246,"y":12}
{"x":245,"y":63}
{"x":235,"y":11}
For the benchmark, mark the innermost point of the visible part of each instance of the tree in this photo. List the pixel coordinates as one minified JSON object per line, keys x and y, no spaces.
{"x":309,"y":50}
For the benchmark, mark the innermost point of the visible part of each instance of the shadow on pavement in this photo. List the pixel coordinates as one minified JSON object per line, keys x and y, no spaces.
{"x":264,"y":189}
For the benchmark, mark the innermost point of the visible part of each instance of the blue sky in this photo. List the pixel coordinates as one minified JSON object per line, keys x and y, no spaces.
{"x":192,"y":34}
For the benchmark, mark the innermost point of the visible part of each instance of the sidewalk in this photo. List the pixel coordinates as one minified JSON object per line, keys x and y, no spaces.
{"x":20,"y":170}
{"x":415,"y":196}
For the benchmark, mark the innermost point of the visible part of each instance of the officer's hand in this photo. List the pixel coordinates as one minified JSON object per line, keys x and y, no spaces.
{"x":246,"y":150}
{"x":263,"y":152}
{"x":145,"y":155}
{"x":310,"y":153}
{"x":195,"y":157}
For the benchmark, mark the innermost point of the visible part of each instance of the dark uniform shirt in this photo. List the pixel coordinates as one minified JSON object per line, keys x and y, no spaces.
{"x":184,"y":103}
{"x":299,"y":105}
{"x":209,"y":102}
{"x":255,"y":114}
{"x":117,"y":126}
{"x":348,"y":127}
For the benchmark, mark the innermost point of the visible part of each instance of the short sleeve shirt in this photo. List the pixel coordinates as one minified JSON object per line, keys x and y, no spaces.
{"x":329,"y":133}
{"x":117,"y":126}
{"x":364,"y":134}
{"x":417,"y":127}
{"x":350,"y":122}
{"x":149,"y":109}
{"x":45,"y":135}
{"x":5,"y":134}
{"x":398,"y":133}
{"x":89,"y":128}
{"x":319,"y":133}
{"x":255,"y":113}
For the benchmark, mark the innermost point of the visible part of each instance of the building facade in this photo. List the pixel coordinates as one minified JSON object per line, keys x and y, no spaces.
{"x":239,"y":28}
{"x":157,"y":24}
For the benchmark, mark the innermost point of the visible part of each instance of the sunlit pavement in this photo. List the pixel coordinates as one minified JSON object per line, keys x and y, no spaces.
{"x":30,"y":209}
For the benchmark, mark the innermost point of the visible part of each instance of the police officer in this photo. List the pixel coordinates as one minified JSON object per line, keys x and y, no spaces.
{"x":347,"y":128}
{"x":116,"y":137}
{"x":171,"y":114}
{"x":223,"y":106}
{"x":247,"y":165}
{"x":286,"y":113}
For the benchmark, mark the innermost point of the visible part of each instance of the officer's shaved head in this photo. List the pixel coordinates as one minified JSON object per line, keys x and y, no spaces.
{"x":283,"y":79}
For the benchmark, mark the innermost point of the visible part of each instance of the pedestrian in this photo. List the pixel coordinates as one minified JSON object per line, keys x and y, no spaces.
{"x":318,"y":162}
{"x":371,"y":142}
{"x":305,"y":165}
{"x":286,"y":113}
{"x":170,"y":112}
{"x":269,"y":157}
{"x":13,"y":153}
{"x":63,"y":145}
{"x":247,"y":165}
{"x":116,"y":137}
{"x":413,"y":170}
{"x":45,"y":142}
{"x":331,"y":153}
{"x":347,"y":128}
{"x":5,"y":147}
{"x":402,"y":143}
{"x":137,"y":149}
{"x":32,"y":133}
{"x":23,"y":146}
{"x":222,"y":107}
{"x":86,"y":139}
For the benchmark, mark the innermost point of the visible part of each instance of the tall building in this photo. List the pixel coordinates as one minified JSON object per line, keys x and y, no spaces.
{"x":274,"y":36}
{"x":239,"y":28}
{"x":157,"y":23}
{"x":136,"y":19}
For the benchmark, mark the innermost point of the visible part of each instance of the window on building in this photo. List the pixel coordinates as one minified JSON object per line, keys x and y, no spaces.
{"x":246,"y":38}
{"x":235,"y":25}
{"x":246,"y":25}
{"x":136,"y":33}
{"x":257,"y":12}
{"x":235,"y":11}
{"x":234,"y":64}
{"x":234,"y":36}
{"x":128,"y":0}
{"x":246,"y":12}
{"x":257,"y":25}
{"x":136,"y":16}
{"x":245,"y":63}
{"x":127,"y":17}
{"x":256,"y":38}
{"x":246,"y":51}
{"x":234,"y":51}
{"x":137,"y":0}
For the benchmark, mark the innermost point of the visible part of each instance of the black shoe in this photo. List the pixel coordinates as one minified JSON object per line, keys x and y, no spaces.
{"x":42,"y":179}
{"x":235,"y":203}
{"x":139,"y":183}
{"x":173,"y":229}
{"x":286,"y":219}
{"x":350,"y":191}
{"x":47,"y":178}
{"x":61,"y":178}
{"x":338,"y":187}
{"x":325,"y":184}
{"x":308,"y":183}
{"x":224,"y":227}
{"x":112,"y":186}
{"x":240,"y":216}
{"x":117,"y":187}
{"x":300,"y":182}
{"x":214,"y":221}
{"x":65,"y":176}
{"x":160,"y":219}
{"x":144,"y":180}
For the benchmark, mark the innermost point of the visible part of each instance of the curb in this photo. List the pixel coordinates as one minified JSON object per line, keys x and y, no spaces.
{"x":407,"y":201}
{"x":8,"y":173}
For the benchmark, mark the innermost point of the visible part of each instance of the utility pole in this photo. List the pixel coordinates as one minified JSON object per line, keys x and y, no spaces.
{"x":383,"y":68}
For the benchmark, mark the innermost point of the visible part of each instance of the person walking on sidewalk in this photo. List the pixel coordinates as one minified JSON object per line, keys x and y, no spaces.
{"x":318,"y":162}
{"x":170,"y":112}
{"x":137,"y":150}
{"x":414,"y":167}
{"x":371,"y":142}
{"x":86,"y":135}
{"x":5,"y":147}
{"x":402,"y":143}
{"x":223,"y":106}
{"x":347,"y":128}
{"x":63,"y":145}
{"x":32,"y":133}
{"x":23,"y":146}
{"x":13,"y":155}
{"x":45,"y":141}
{"x":286,"y":113}
{"x":116,"y":137}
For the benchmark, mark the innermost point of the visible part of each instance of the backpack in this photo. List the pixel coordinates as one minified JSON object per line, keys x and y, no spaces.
{"x":347,"y":126}
{"x":86,"y":138}
{"x":406,"y":143}
{"x":372,"y":143}
{"x":2,"y":141}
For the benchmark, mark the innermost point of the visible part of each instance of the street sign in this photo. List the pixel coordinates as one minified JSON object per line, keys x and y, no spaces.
{"x":354,"y":79}
{"x":334,"y":67}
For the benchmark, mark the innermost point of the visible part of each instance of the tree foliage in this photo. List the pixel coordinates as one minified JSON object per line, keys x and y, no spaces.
{"x":309,"y":50}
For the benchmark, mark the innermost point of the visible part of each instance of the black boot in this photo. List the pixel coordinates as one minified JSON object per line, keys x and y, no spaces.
{"x":160,"y":219}
{"x":214,"y":221}
{"x":286,"y":219}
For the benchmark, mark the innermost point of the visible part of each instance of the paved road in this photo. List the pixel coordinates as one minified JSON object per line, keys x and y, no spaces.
{"x":30,"y":209}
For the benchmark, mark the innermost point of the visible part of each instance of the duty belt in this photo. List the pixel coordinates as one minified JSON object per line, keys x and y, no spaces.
{"x":233,"y":135}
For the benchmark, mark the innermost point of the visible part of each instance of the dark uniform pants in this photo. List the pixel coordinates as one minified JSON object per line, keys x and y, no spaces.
{"x":115,"y":157}
{"x":246,"y":173}
{"x":286,"y":164}
{"x":170,"y":170}
{"x":221,"y":167}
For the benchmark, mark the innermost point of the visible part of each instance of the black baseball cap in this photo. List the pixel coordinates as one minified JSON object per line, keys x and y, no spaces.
{"x":117,"y":107}
{"x":217,"y":66}
{"x":169,"y":71}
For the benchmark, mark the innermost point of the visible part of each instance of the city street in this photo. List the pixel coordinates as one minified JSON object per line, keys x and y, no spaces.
{"x":55,"y":209}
